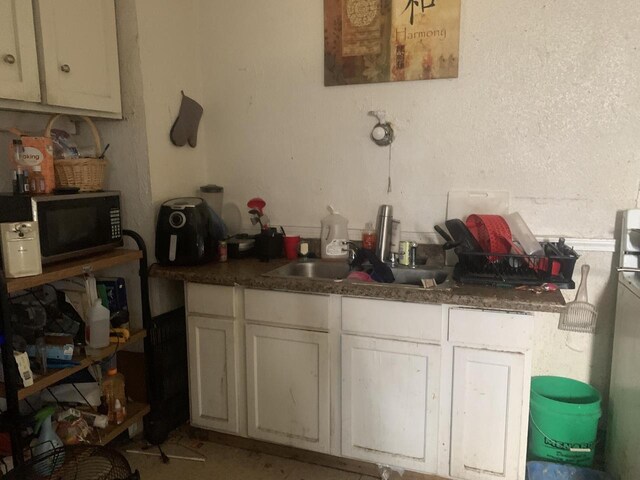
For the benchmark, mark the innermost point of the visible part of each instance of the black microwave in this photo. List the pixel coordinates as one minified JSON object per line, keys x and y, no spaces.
{"x":70,"y":225}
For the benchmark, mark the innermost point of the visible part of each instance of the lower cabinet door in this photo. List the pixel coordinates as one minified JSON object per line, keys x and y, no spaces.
{"x":490,"y":397}
{"x":288,"y":386}
{"x":213,"y":387}
{"x":390,"y":399}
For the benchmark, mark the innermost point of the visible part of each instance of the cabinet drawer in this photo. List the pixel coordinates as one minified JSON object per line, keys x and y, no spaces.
{"x":394,"y":319}
{"x":513,"y":331}
{"x":211,"y":299}
{"x":295,"y":309}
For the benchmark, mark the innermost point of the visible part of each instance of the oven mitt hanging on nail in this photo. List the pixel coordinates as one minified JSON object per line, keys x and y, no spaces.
{"x":185,"y":128}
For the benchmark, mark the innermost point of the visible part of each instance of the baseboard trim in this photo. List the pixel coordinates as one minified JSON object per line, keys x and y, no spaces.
{"x":292,"y":453}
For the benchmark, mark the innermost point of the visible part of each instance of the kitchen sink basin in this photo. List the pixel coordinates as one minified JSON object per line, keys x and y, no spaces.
{"x":312,"y":269}
{"x":323,"y":270}
{"x":413,"y":276}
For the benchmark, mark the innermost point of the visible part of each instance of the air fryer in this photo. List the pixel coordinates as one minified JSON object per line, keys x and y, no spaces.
{"x":185,"y":232}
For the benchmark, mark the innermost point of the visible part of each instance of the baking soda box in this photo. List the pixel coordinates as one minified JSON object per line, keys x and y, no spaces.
{"x":36,"y":151}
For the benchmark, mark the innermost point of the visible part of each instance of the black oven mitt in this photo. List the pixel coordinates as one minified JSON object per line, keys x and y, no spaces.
{"x":185,"y":128}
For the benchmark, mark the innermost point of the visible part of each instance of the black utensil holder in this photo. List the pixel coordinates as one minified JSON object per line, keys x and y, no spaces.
{"x":269,"y":245}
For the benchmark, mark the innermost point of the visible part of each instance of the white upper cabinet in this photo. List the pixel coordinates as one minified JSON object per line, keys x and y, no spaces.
{"x":18,"y":59}
{"x":79,"y":54}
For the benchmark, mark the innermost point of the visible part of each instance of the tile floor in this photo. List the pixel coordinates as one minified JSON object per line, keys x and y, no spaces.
{"x":226,"y":463}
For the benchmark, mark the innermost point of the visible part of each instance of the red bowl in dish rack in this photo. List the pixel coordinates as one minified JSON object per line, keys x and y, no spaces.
{"x":492,"y":232}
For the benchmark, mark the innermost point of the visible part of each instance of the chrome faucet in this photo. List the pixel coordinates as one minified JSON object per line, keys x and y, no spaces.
{"x":353,"y":251}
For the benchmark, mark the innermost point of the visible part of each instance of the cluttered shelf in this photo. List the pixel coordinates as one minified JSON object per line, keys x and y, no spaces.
{"x":71,"y":268}
{"x":135,"y":412}
{"x":44,"y":381}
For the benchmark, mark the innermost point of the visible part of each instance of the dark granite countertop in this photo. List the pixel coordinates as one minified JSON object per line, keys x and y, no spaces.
{"x":249,"y":273}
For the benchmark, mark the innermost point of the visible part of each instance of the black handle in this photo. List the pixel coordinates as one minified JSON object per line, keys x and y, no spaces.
{"x":449,"y":243}
{"x":443,"y":234}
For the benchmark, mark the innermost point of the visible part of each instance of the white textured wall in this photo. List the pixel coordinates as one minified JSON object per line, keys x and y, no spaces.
{"x":155,"y":39}
{"x":169,"y":63}
{"x":546,"y":106}
{"x":128,"y":153}
{"x":169,"y":59}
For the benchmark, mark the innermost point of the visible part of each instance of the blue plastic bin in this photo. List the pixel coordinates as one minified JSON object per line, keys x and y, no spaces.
{"x":556,"y":471}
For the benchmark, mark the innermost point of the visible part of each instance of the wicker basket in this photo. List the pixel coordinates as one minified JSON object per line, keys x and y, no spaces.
{"x":85,"y":173}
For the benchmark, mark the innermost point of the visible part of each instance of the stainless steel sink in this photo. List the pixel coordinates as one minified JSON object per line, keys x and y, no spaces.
{"x":312,"y":269}
{"x":413,"y":276}
{"x":323,"y":270}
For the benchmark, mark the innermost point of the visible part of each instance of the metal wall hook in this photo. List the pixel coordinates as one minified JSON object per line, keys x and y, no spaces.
{"x":382,"y":133}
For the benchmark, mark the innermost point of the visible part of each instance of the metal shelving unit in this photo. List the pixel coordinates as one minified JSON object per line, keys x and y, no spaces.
{"x":12,"y":389}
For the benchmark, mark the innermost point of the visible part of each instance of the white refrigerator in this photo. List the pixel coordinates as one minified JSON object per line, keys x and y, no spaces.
{"x":623,"y":431}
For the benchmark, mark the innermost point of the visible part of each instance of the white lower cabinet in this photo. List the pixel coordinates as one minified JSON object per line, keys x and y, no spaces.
{"x":213,"y":387}
{"x":390,"y":402}
{"x":288,"y":386}
{"x":430,"y":388}
{"x":491,"y":377}
{"x":490,"y":392}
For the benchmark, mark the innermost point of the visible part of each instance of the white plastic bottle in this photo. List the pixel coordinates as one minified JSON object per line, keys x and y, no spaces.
{"x":98,"y":326}
{"x":334,"y":236}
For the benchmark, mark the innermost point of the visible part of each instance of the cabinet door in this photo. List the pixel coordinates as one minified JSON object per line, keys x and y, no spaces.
{"x":390,"y":402}
{"x":288,"y":386}
{"x":18,"y":61}
{"x":79,"y":54}
{"x":213,"y":389}
{"x":490,"y":397}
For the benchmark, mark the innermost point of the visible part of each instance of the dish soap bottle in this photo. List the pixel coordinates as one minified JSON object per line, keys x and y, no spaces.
{"x":334,"y":236}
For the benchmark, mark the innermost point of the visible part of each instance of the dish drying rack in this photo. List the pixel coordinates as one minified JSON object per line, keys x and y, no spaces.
{"x":508,"y":269}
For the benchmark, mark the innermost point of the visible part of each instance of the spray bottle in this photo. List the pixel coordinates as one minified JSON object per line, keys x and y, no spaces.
{"x":47,"y":441}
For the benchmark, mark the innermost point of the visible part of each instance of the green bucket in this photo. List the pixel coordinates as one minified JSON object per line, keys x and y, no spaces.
{"x":563,"y":420}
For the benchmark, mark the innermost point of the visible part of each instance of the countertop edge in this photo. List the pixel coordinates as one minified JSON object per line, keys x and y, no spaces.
{"x":250,"y":274}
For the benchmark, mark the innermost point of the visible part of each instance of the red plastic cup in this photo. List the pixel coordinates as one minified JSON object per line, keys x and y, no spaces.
{"x":291,"y":243}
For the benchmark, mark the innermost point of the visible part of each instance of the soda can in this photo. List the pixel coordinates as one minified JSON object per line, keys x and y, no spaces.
{"x":222,"y":251}
{"x":403,"y":254}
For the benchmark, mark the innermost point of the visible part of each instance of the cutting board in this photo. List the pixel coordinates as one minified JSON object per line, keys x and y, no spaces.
{"x":461,"y":204}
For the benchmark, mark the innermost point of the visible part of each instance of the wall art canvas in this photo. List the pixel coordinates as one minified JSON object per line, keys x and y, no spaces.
{"x":371,"y":41}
